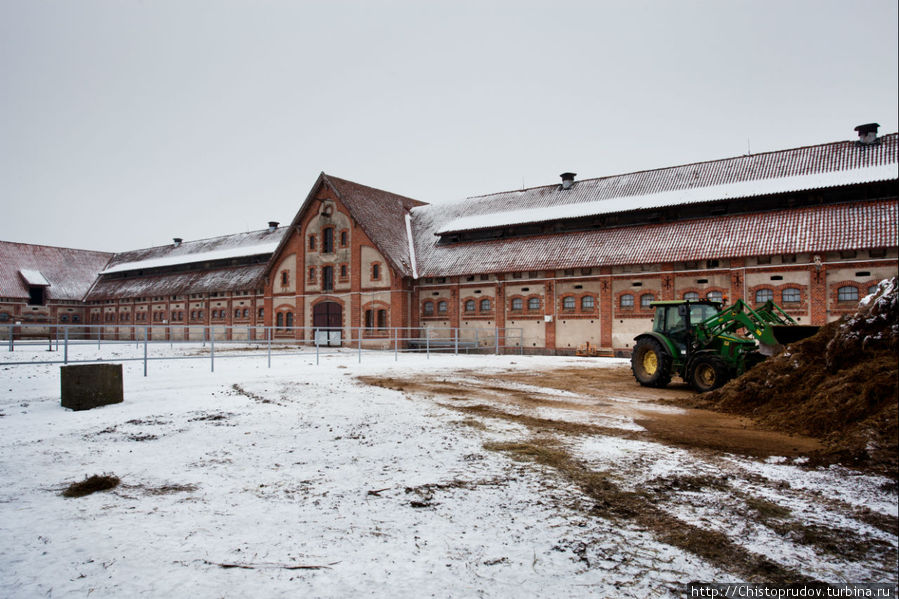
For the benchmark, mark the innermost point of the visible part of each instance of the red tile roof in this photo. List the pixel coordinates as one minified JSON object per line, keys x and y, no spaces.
{"x":234,"y":278}
{"x":70,"y":272}
{"x":870,"y":224}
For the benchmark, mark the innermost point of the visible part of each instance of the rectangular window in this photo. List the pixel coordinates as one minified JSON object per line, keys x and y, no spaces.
{"x":312,"y":242}
{"x":344,"y":239}
{"x":375,"y":272}
{"x":327,"y":278}
{"x":312,"y":274}
{"x":382,"y":319}
{"x":328,"y":240}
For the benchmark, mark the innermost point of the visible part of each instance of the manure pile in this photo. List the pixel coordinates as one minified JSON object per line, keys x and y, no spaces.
{"x":839,"y":386}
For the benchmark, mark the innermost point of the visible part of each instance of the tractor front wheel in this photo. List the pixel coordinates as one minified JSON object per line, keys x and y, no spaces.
{"x":651,"y":364}
{"x":707,"y":373}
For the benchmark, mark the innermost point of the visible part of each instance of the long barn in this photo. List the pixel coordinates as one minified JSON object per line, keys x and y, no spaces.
{"x":546,"y":269}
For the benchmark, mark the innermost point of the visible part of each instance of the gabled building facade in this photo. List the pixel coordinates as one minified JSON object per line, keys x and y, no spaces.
{"x":544,"y":269}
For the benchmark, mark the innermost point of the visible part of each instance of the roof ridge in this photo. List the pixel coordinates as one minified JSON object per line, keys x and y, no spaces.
{"x":185,"y":242}
{"x":675,"y":166}
{"x":56,"y":247}
{"x":341,"y":179}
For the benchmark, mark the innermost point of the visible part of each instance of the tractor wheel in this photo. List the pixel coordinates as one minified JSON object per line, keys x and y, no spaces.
{"x":707,"y":373}
{"x":651,"y":364}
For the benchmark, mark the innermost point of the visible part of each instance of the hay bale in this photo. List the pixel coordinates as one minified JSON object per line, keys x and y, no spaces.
{"x":86,"y":386}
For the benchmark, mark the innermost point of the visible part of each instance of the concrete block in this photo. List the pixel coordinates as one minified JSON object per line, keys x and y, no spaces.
{"x":86,"y":386}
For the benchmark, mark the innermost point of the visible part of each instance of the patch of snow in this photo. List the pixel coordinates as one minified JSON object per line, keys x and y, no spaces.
{"x":189,"y":258}
{"x":34,"y":277}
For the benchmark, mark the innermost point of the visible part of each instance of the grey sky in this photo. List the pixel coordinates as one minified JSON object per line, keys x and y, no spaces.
{"x":124,"y":123}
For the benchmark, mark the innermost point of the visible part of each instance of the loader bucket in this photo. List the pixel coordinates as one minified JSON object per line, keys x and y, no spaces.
{"x":786,"y":334}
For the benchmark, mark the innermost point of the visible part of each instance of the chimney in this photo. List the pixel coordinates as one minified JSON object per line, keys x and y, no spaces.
{"x":867,"y":133}
{"x":567,"y":180}
{"x":177,"y":241}
{"x":272,"y":225}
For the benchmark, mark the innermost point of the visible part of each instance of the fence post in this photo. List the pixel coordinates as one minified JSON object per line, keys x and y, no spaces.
{"x":396,"y":344}
{"x":212,"y":348}
{"x":171,"y":339}
{"x":12,"y":345}
{"x":457,"y":341}
{"x":50,"y":341}
{"x":496,"y":340}
{"x":477,"y":342}
{"x":146,"y":335}
{"x":98,"y":337}
{"x":269,"y":335}
{"x":65,"y":351}
{"x":427,"y":343}
{"x":359,"y":343}
{"x":315,"y":334}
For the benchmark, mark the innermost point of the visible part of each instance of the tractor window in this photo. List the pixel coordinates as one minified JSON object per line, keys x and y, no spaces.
{"x":700,"y":312}
{"x":658,"y":323}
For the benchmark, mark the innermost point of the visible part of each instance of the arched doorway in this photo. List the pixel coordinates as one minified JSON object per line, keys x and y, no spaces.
{"x":327,"y":320}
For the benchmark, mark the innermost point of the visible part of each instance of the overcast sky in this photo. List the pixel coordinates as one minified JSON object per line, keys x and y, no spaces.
{"x":124,"y":123}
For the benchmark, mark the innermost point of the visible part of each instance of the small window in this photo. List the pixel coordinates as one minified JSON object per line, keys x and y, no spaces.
{"x":469,"y":278}
{"x":4,"y":317}
{"x":788,"y":259}
{"x":469,"y":306}
{"x":246,"y":313}
{"x":382,"y":319}
{"x":312,"y":242}
{"x":428,"y":308}
{"x":312,"y":274}
{"x":763,"y":295}
{"x":691,"y":295}
{"x":516,"y":275}
{"x":485,"y":305}
{"x":279,"y":319}
{"x":534,"y":303}
{"x":587,"y":303}
{"x":261,"y":313}
{"x":288,"y":319}
{"x":568,"y":302}
{"x":485,"y":277}
{"x":586,"y":271}
{"x":517,"y":303}
{"x":63,"y":318}
{"x":343,"y":271}
{"x":344,"y":239}
{"x":285,"y":278}
{"x":645,"y":300}
{"x":626,"y":301}
{"x":76,"y":318}
{"x":327,"y":277}
{"x":847,"y":294}
{"x":715,"y":296}
{"x":328,"y":240}
{"x":533,"y":274}
{"x":369,"y":318}
{"x":872,"y":289}
{"x":375,"y":272}
{"x":568,"y":272}
{"x":441,"y":307}
{"x":763,"y":260}
{"x":791,"y":295}
{"x":237,"y":314}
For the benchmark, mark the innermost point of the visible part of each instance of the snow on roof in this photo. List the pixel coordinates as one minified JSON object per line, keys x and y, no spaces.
{"x":740,"y":189}
{"x":208,"y":256}
{"x":68,"y":273}
{"x":34,"y":277}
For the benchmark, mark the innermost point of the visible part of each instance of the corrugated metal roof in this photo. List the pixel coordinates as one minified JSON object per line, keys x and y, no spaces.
{"x":726,"y":176}
{"x":69,"y":272}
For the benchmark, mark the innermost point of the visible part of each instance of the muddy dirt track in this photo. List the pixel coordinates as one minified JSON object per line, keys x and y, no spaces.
{"x":609,"y":393}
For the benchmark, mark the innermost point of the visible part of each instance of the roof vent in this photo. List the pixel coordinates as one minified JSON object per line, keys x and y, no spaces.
{"x":867,"y":133}
{"x":567,"y":180}
{"x":177,"y":241}
{"x":272,"y":225}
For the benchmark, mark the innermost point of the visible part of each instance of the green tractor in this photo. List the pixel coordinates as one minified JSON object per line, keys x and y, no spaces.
{"x":699,"y":341}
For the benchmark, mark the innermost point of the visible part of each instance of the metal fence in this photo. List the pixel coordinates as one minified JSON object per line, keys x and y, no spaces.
{"x":222,"y":341}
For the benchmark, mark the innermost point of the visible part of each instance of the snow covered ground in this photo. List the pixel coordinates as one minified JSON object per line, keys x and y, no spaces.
{"x":313,"y":484}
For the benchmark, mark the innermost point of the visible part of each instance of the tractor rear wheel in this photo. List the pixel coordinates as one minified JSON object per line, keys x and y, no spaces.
{"x":707,"y":373}
{"x":651,"y":364}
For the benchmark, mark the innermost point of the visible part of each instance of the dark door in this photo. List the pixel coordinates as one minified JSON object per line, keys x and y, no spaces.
{"x":327,"y":318}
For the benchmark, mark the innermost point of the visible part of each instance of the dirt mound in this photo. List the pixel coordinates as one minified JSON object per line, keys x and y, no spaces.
{"x":92,"y":484}
{"x":839,"y":385}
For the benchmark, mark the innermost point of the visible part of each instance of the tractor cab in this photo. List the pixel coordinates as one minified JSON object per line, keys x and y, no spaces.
{"x":675,"y":319}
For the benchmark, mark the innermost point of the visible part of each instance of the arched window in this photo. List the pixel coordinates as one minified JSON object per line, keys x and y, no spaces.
{"x":469,"y":305}
{"x":441,"y":307}
{"x":587,"y":302}
{"x":715,"y":296}
{"x":763,"y":295}
{"x":568,"y":302}
{"x":376,"y":271}
{"x":626,"y":301}
{"x":645,"y":300}
{"x":517,"y":303}
{"x":312,"y":242}
{"x":279,"y":319}
{"x":261,"y":313}
{"x":485,"y":305}
{"x":534,"y":303}
{"x":382,"y":319}
{"x":237,"y":314}
{"x":428,"y":308}
{"x":328,"y":240}
{"x":246,"y":312}
{"x":791,"y":295}
{"x":847,"y":294}
{"x":691,"y":295}
{"x":285,"y":278}
{"x":288,"y":319}
{"x":312,"y":274}
{"x":872,"y":289}
{"x":344,"y":236}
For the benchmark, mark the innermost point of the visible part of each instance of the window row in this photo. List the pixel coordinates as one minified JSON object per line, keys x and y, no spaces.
{"x":284,"y":320}
{"x":327,"y":240}
{"x":849,"y":293}
{"x":428,"y":307}
{"x":376,"y":319}
{"x":570,"y":303}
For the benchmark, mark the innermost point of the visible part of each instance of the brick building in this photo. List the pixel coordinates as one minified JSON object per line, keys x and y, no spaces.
{"x":550,"y":267}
